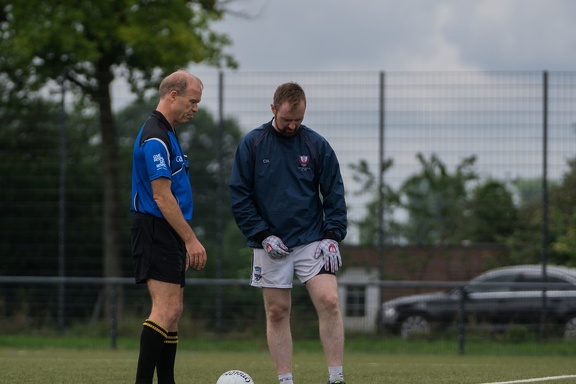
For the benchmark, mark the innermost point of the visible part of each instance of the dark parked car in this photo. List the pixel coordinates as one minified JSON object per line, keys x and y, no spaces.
{"x":491,"y":300}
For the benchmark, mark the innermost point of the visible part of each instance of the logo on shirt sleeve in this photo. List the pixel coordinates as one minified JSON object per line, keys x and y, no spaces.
{"x":160,"y":162}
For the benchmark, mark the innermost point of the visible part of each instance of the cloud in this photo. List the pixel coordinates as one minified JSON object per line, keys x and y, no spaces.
{"x":514,"y":34}
{"x":398,"y":35}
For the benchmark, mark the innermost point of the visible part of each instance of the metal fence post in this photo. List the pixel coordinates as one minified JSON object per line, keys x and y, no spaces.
{"x":381,"y":196}
{"x":219,"y":206}
{"x":544,"y":242}
{"x":62,"y":207}
{"x":113,"y":316}
{"x":462,"y":320}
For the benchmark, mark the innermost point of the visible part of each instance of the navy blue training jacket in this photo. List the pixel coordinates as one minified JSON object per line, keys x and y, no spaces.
{"x":290,"y":187}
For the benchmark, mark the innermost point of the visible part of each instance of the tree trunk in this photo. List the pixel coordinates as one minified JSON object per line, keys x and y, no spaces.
{"x":111,"y":194}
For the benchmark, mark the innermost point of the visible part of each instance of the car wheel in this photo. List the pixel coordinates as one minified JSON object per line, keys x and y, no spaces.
{"x":570,"y":329}
{"x":415,"y":326}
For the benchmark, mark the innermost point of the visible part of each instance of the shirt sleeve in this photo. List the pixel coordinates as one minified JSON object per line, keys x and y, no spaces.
{"x":333,"y":199}
{"x":157,"y":159}
{"x":241,"y":189}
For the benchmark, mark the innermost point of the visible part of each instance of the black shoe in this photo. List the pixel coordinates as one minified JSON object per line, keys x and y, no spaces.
{"x":336,"y":382}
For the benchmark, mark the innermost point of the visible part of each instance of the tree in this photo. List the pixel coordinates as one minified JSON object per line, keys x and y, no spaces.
{"x":435,"y":201}
{"x":563,"y":217}
{"x":491,"y":215}
{"x":89,"y":43}
{"x":369,"y":226}
{"x":29,"y":200}
{"x":525,"y":243}
{"x":28,"y":159}
{"x":440,"y":207}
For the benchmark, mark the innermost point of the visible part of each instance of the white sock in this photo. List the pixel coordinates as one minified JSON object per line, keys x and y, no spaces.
{"x":285,"y":378}
{"x":336,"y":373}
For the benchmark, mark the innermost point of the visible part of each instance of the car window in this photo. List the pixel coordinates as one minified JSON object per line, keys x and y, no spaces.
{"x":538,"y":279}
{"x":553,"y":279}
{"x":490,"y":284}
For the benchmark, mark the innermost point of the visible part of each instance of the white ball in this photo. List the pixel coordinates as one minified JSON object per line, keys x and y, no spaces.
{"x":235,"y":377}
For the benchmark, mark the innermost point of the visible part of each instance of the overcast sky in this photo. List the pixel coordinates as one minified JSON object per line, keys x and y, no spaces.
{"x":403,"y":35}
{"x":398,"y":35}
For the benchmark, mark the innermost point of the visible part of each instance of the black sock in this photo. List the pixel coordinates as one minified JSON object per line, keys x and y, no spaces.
{"x":151,"y":344}
{"x":165,"y":366}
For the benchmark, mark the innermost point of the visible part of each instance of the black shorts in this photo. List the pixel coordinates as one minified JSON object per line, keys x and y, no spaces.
{"x":158,"y":251}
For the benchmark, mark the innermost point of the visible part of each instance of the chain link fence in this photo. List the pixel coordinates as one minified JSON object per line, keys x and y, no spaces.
{"x":517,"y":125}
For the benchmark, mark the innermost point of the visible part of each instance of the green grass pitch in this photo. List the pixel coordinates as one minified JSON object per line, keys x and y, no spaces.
{"x":74,"y":366}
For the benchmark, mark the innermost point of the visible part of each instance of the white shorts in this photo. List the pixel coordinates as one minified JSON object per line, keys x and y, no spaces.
{"x":270,"y":273}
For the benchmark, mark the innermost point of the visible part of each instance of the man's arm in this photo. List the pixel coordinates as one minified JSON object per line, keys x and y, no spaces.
{"x":195,"y":252}
{"x":334,"y":202}
{"x":241,"y":188}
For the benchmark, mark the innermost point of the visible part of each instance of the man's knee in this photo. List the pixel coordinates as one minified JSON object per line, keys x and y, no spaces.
{"x":329,"y":304}
{"x":176,"y":310}
{"x":278,"y":312}
{"x":166,"y":315}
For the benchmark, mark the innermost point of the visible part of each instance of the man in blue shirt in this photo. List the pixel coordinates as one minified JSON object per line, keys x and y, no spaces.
{"x":287,"y":197}
{"x":164,"y":245}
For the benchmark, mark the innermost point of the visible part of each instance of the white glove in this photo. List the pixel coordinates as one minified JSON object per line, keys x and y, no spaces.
{"x":331,"y":253}
{"x":275,"y":248}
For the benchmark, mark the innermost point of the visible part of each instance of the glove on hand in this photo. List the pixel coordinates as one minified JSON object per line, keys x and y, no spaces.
{"x":331,"y":253}
{"x":275,"y":248}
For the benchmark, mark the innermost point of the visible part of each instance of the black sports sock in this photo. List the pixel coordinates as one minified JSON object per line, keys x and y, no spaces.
{"x":165,"y":366}
{"x":151,"y":345}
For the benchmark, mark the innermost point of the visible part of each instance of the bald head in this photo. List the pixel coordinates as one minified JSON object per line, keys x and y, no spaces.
{"x":180,"y":93}
{"x":178,"y":81}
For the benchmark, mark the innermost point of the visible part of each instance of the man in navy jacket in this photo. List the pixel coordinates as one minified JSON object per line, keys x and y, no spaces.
{"x":287,"y":197}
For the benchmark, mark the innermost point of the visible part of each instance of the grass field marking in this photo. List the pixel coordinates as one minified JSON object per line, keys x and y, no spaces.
{"x":535,"y":380}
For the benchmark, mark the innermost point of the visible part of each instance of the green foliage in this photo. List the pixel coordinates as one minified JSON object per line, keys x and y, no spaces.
{"x":435,"y":201}
{"x":444,"y":208}
{"x":28,"y":157}
{"x":30,"y":179}
{"x":370,"y":226}
{"x":441,"y":207}
{"x":90,"y":37}
{"x":491,"y":214}
{"x":563,"y":217}
{"x":525,"y":243}
{"x":29,"y":199}
{"x":84,"y":45}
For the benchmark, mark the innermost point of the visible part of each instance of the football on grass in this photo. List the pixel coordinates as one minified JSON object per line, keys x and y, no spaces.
{"x":235,"y":377}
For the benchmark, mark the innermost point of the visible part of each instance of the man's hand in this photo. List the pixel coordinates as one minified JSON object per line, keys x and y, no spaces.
{"x":275,"y":248}
{"x":328,"y":248}
{"x":195,"y":255}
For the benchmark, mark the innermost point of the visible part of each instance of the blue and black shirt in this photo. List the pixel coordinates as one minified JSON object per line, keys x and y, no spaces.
{"x":157,"y":153}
